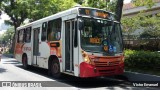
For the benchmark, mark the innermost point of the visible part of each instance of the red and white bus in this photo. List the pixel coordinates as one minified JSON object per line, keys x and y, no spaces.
{"x":81,"y":41}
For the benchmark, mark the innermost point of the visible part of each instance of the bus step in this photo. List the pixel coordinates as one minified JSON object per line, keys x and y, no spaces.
{"x":69,"y":73}
{"x":35,"y":65}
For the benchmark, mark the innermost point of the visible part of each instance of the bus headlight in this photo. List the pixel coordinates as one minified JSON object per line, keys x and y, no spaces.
{"x":86,"y":57}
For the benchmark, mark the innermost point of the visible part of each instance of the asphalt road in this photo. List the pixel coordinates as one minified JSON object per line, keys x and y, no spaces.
{"x":11,"y":70}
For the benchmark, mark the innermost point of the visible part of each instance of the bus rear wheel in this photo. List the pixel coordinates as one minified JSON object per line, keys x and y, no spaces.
{"x":55,"y":69}
{"x":24,"y":62}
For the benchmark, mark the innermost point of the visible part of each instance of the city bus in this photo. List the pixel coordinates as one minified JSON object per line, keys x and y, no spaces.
{"x":81,"y":41}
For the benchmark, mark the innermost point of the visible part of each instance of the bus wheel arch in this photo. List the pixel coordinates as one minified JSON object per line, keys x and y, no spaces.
{"x":54,"y":66}
{"x":25,"y":61}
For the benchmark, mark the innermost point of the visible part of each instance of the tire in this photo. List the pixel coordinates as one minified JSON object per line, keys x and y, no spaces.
{"x":55,"y":69}
{"x":24,"y":62}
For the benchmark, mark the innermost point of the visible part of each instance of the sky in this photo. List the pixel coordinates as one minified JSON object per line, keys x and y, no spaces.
{"x":3,"y":27}
{"x":3,"y":17}
{"x":127,"y":1}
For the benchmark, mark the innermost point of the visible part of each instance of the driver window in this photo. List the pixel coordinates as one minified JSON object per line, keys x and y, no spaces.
{"x":87,"y":32}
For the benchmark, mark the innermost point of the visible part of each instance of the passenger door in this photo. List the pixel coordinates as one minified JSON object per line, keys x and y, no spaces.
{"x":35,"y":45}
{"x":69,"y":45}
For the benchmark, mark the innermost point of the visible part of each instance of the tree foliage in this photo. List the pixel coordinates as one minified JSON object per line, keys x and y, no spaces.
{"x":151,"y":25}
{"x":19,"y":10}
{"x":148,"y":3}
{"x":16,"y":10}
{"x":111,"y":6}
{"x":41,"y":8}
{"x":130,"y":24}
{"x":95,"y":3}
{"x":7,"y":36}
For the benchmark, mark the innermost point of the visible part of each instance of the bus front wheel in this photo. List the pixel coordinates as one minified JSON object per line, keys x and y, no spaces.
{"x":24,"y":62}
{"x":55,"y":69}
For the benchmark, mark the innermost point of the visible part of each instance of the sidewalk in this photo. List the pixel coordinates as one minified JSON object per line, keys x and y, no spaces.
{"x":134,"y":76}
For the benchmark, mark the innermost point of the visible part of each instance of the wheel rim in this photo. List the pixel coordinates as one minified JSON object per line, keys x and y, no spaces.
{"x":55,"y":68}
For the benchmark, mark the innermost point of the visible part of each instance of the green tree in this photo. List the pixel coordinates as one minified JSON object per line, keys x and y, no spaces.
{"x":6,"y":37}
{"x":101,"y":4}
{"x":130,"y":24}
{"x":151,"y":27}
{"x":66,"y":4}
{"x":42,"y":8}
{"x":111,"y":5}
{"x":16,"y":10}
{"x":20,"y":10}
{"x":79,"y":1}
{"x":148,"y":3}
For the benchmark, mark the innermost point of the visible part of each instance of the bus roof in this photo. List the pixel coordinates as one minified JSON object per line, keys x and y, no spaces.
{"x":73,"y":10}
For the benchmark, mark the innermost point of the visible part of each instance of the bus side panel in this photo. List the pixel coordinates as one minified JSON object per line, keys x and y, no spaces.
{"x":27,"y":50}
{"x":18,"y":51}
{"x":44,"y":51}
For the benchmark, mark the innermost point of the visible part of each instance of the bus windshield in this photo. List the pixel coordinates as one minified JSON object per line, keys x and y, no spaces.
{"x":101,"y":36}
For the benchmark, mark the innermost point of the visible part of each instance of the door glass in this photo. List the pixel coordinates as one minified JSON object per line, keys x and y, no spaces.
{"x":67,"y":45}
{"x":36,"y":42}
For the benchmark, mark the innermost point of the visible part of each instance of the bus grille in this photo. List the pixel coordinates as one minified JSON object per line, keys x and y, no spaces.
{"x":107,"y":64}
{"x":111,"y":71}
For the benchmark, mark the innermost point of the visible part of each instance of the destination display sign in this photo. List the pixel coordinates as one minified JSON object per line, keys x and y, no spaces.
{"x":94,"y":13}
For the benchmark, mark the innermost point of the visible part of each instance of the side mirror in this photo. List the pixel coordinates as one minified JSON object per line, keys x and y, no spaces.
{"x":81,"y":24}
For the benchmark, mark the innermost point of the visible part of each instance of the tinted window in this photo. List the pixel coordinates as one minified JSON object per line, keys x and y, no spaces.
{"x":54,"y":30}
{"x":44,"y":31}
{"x":28,"y":34}
{"x":20,"y":35}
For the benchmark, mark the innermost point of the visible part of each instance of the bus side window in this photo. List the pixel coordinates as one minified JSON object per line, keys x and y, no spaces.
{"x":18,"y":35}
{"x":54,"y":30}
{"x":24,"y":35}
{"x":28,"y":34}
{"x":44,"y":31}
{"x":21,"y":36}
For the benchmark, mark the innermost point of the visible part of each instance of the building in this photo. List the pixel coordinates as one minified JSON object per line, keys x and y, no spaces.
{"x":130,"y":10}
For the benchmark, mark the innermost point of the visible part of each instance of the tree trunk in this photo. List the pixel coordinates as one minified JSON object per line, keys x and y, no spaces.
{"x":118,"y":10}
{"x":13,"y":40}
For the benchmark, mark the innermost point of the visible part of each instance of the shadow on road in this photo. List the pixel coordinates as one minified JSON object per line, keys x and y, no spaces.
{"x":81,"y":82}
{"x":2,"y":70}
{"x":72,"y":80}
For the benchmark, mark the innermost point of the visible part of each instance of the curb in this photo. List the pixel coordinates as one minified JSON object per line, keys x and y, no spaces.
{"x":134,"y":76}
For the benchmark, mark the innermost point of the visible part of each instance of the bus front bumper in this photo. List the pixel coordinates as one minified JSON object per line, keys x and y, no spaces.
{"x":87,"y":70}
